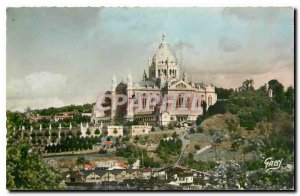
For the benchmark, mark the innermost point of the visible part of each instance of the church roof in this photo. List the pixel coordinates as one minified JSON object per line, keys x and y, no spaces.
{"x":164,"y":53}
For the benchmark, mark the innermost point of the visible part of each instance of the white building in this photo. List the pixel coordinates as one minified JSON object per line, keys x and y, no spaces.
{"x":140,"y":129}
{"x":165,"y":80}
{"x":115,"y":131}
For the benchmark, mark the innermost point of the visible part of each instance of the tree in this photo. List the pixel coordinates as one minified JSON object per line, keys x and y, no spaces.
{"x":204,"y":106}
{"x":54,"y":134}
{"x":289,"y":103}
{"x":47,"y":134}
{"x":217,"y":108}
{"x":82,"y":160}
{"x":250,"y":106}
{"x":62,"y":134}
{"x":223,"y":93}
{"x":278,"y":91}
{"x":97,"y":132}
{"x":247,"y":85}
{"x":115,"y":131}
{"x":24,"y":169}
{"x":78,"y":133}
{"x":88,"y":132}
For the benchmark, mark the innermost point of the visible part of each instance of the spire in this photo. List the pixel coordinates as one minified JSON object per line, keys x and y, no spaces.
{"x":113,"y":83}
{"x":50,"y":127}
{"x":70,"y":126}
{"x":59,"y":126}
{"x":40,"y":127}
{"x":163,"y":37}
{"x":145,"y":76}
{"x":184,"y":78}
{"x":129,"y":79}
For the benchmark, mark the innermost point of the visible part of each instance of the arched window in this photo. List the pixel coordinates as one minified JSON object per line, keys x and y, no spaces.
{"x":197,"y":103}
{"x":144,"y":101}
{"x":179,"y":102}
{"x":209,"y":101}
{"x":188,"y":102}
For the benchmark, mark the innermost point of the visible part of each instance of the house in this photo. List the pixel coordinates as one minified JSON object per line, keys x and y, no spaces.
{"x":105,"y":164}
{"x":184,"y":178}
{"x":63,"y":117}
{"x":123,"y":165}
{"x":146,"y":173}
{"x":88,"y":167}
{"x":72,"y":177}
{"x":100,"y":175}
{"x":86,"y":114}
{"x":91,"y":176}
{"x":140,"y":129}
{"x":159,"y":172}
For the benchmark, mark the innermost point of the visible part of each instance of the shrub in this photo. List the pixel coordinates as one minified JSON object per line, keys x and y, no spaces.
{"x":115,"y":131}
{"x":47,"y":134}
{"x":97,"y":132}
{"x":200,"y":129}
{"x":102,"y":151}
{"x":192,"y":130}
{"x":33,"y":134}
{"x":88,"y":132}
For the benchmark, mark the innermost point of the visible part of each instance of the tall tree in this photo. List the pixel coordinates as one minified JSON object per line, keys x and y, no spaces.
{"x":24,"y":169}
{"x":278,"y":91}
{"x":247,"y":85}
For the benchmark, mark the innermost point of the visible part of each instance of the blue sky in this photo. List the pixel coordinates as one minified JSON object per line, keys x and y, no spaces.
{"x":59,"y":56}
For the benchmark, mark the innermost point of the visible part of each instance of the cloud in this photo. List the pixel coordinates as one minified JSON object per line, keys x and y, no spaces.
{"x":39,"y":89}
{"x":34,"y":103}
{"x":228,"y":44}
{"x":269,"y":15}
{"x":37,"y":84}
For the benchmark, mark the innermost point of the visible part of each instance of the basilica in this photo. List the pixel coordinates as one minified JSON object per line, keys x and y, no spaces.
{"x":163,"y":95}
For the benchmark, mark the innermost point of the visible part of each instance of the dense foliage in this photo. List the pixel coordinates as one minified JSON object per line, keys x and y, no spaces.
{"x":133,"y":153}
{"x":24,"y":169}
{"x":72,"y":144}
{"x":86,"y":108}
{"x":168,"y":148}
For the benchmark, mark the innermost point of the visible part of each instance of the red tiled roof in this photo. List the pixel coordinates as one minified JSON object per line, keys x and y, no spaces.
{"x":123,"y":165}
{"x":88,"y":166}
{"x":107,"y":142}
{"x":145,"y":170}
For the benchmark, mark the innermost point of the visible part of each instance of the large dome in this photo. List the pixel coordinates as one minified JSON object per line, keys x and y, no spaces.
{"x":164,"y":54}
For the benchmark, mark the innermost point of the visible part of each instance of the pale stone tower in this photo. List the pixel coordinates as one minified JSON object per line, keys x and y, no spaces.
{"x":113,"y":98}
{"x":130,"y":95}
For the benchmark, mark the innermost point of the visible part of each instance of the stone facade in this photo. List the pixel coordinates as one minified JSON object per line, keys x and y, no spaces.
{"x":179,"y":99}
{"x":140,"y":129}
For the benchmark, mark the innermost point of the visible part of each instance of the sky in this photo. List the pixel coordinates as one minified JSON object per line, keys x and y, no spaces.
{"x":63,"y":56}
